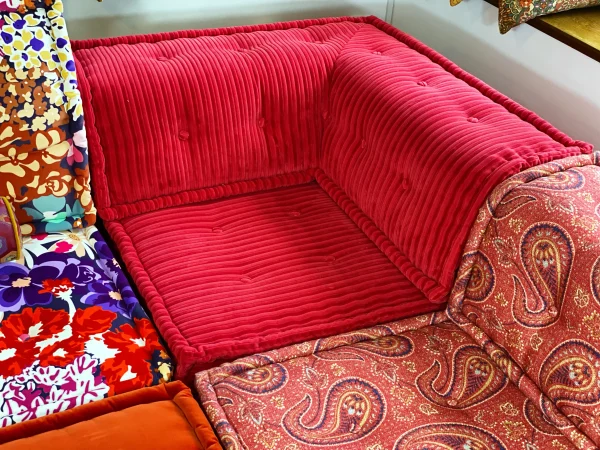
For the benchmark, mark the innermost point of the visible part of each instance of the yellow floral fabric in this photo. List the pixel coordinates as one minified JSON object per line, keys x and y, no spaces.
{"x":43,"y":146}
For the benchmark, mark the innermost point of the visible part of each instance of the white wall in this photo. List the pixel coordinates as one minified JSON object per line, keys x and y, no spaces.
{"x":544,"y":75}
{"x":89,"y":18}
{"x":557,"y":82}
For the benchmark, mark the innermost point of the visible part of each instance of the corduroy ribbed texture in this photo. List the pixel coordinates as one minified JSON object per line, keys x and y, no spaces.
{"x":418,"y":150}
{"x":403,"y":141}
{"x":208,"y":111}
{"x":260,"y":271}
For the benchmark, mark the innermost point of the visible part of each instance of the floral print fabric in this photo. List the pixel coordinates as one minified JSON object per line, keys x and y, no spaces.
{"x":515,"y":12}
{"x":413,"y":384}
{"x":71,"y":328}
{"x":43,"y":146}
{"x":528,"y":289}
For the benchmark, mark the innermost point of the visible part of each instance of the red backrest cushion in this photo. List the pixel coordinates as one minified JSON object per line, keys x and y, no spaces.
{"x":414,"y":143}
{"x":186,"y":111}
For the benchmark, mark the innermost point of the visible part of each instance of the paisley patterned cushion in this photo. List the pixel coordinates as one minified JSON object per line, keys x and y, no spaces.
{"x":529,"y":285}
{"x":10,"y":233}
{"x":43,"y":145}
{"x":414,"y":384}
{"x":516,"y":12}
{"x":72,"y":330}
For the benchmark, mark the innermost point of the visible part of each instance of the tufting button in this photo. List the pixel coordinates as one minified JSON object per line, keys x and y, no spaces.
{"x":261,"y":122}
{"x":452,"y":402}
{"x":163,"y":58}
{"x":553,"y":311}
{"x":473,"y":119}
{"x":363,"y":144}
{"x":330,"y":259}
{"x":405,"y":184}
{"x":294,"y":213}
{"x":217,"y":230}
{"x":422,"y":83}
{"x":246,"y":280}
{"x":377,"y":53}
{"x":184,"y":135}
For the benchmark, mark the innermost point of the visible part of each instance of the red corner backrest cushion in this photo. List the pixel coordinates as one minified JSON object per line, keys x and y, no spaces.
{"x":178,"y":112}
{"x":418,"y":144}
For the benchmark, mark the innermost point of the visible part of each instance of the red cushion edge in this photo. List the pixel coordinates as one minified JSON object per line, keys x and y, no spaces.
{"x":431,"y":288}
{"x":158,"y":37}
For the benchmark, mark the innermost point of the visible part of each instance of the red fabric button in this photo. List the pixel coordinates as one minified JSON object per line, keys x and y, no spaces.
{"x":422,"y":83}
{"x":184,"y":135}
{"x":473,"y":120}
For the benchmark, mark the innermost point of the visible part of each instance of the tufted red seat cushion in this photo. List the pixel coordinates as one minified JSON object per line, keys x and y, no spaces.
{"x":406,"y":144}
{"x":257,"y":271}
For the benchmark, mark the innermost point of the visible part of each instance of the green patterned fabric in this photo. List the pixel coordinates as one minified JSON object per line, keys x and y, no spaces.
{"x":515,"y":12}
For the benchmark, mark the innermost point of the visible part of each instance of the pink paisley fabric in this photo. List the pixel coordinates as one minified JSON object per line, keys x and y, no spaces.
{"x":528,"y":289}
{"x":413,"y":384}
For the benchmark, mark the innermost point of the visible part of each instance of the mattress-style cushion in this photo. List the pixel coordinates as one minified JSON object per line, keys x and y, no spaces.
{"x":412,"y":384}
{"x":160,"y":417}
{"x":206,"y":110}
{"x":261,"y":270}
{"x":418,"y":145}
{"x":529,"y":283}
{"x":415,"y":142}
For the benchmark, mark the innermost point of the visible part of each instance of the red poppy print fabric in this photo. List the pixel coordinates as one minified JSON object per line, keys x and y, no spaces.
{"x":413,"y":384}
{"x":529,"y":286}
{"x":71,"y":329}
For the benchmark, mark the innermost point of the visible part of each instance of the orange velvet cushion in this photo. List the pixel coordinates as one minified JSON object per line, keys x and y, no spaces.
{"x":164,"y":416}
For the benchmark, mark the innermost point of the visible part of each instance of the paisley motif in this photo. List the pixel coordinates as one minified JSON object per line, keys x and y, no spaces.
{"x":547,"y":256}
{"x":478,"y":282}
{"x":473,"y":379}
{"x":570,"y":373}
{"x":227,"y":435}
{"x":448,"y":436}
{"x":595,"y":280}
{"x":553,"y":415}
{"x":334,"y":342}
{"x":538,"y":421}
{"x":255,"y":378}
{"x":387,"y":346}
{"x":507,"y":207}
{"x":567,"y":180}
{"x":350,"y":411}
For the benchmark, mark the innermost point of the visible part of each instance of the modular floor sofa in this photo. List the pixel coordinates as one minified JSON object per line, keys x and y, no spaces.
{"x":346,"y":241}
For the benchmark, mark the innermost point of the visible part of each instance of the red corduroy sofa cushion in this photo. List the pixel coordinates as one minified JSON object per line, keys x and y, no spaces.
{"x":256,"y":271}
{"x":404,"y":142}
